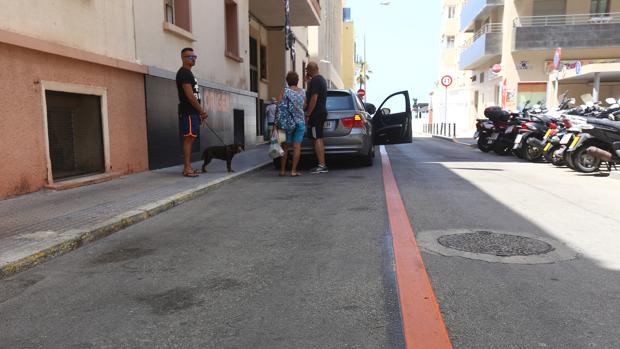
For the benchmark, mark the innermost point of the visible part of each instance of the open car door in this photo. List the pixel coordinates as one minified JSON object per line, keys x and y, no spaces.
{"x":392,"y":122}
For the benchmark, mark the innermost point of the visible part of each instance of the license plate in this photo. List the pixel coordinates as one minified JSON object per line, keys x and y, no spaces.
{"x":547,"y":147}
{"x":518,"y":142}
{"x":509,"y":129}
{"x":565,"y":139}
{"x":494,"y":136}
{"x":328,"y":125}
{"x":574,"y":144}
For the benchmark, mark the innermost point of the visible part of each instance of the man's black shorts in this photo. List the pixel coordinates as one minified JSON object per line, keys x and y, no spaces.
{"x":315,"y":126}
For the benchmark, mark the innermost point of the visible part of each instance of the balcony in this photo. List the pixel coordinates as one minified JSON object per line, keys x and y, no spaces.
{"x":483,"y":47}
{"x":567,"y":31}
{"x":475,"y":9}
{"x":271,"y":12}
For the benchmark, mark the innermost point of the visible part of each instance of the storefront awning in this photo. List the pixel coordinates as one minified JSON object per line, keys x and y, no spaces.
{"x":271,"y":12}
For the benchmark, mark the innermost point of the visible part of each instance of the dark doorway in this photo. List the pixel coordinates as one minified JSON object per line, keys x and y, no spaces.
{"x":75,"y":134}
{"x":239,"y":126}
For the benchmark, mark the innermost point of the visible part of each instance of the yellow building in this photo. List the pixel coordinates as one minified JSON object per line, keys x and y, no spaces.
{"x":348,"y":51}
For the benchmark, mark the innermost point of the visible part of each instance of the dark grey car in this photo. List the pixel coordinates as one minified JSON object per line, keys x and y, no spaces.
{"x":353,"y":128}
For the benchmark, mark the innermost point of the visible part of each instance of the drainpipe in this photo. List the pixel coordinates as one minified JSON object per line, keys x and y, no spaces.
{"x":597,"y":87}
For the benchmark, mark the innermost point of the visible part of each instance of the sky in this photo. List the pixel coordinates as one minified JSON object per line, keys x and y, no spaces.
{"x":402,"y":45}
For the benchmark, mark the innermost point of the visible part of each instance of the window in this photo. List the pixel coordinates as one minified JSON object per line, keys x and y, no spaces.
{"x":232,"y":30}
{"x":599,"y":6}
{"x":482,"y":77}
{"x":451,"y":12}
{"x":178,"y":12}
{"x":263,"y":62}
{"x":450,"y":41}
{"x":339,"y":101}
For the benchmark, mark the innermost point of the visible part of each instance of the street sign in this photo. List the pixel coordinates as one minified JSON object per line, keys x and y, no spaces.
{"x":496,"y":68}
{"x":446,"y":81}
{"x":361,"y":92}
{"x":556,"y":57}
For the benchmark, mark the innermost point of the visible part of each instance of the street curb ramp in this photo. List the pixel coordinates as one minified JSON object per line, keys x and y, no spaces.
{"x":60,"y":243}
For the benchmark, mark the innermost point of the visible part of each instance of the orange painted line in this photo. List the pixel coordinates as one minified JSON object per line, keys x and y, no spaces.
{"x":423,"y":325}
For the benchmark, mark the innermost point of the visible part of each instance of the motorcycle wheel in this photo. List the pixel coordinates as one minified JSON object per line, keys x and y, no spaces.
{"x":570,"y":160}
{"x":584,"y":162}
{"x":501,"y":149}
{"x":519,"y":153}
{"x":532,"y":153}
{"x":483,"y":144}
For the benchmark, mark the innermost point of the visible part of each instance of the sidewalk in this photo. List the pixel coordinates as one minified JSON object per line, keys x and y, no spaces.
{"x":38,"y":226}
{"x":470,"y":142}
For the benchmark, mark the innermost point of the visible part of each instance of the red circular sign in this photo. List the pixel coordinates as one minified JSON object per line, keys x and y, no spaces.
{"x":496,"y":68}
{"x":446,"y":80}
{"x":361,"y":92}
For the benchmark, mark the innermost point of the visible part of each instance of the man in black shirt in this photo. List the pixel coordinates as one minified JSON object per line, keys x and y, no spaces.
{"x":191,"y":113}
{"x":316,"y":113}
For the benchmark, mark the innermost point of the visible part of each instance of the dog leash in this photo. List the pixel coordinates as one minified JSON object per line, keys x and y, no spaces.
{"x":215,"y":133}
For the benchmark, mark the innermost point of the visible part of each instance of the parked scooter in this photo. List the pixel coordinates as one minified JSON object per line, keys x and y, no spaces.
{"x":595,"y":143}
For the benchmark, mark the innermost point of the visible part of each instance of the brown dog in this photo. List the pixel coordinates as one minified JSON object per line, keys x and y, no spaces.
{"x":223,"y":152}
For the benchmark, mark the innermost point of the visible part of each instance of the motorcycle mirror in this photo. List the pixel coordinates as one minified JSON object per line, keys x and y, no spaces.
{"x":610,"y":101}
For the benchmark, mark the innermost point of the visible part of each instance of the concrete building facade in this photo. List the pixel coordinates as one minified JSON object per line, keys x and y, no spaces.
{"x":325,"y":42}
{"x":71,"y":94}
{"x":503,"y":53}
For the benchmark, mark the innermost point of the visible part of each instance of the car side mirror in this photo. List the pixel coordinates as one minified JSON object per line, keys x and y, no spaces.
{"x":385,"y":111}
{"x":370,"y":108}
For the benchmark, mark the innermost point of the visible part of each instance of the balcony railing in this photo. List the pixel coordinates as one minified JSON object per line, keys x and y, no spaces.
{"x":558,"y":20}
{"x":487,"y":28}
{"x":477,"y":9}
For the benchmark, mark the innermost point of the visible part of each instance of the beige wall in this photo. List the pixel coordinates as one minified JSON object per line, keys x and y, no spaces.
{"x":22,"y":134}
{"x":161,"y":48}
{"x":101,"y":26}
{"x":348,"y":55}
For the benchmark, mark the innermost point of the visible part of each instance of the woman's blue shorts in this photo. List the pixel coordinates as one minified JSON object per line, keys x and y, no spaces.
{"x":296,"y":135}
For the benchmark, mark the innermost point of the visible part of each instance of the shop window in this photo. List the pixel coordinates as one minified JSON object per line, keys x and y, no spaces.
{"x":232,"y":30}
{"x":178,"y":12}
{"x":75,"y":134}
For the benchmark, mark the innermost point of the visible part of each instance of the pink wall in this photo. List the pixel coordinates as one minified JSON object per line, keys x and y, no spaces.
{"x":23,"y":164}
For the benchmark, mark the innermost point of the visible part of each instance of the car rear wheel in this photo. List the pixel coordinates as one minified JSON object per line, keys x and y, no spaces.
{"x":368,"y":160}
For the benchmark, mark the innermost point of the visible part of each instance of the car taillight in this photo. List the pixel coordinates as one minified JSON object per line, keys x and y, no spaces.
{"x":353,"y":121}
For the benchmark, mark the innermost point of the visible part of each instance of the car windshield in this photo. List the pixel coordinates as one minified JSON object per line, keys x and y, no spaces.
{"x":339,"y":101}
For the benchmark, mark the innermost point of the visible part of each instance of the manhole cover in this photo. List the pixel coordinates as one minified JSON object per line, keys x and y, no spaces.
{"x":502,"y":245}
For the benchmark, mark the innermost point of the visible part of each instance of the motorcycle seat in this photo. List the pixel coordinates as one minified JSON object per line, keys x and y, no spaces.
{"x":605,"y":122}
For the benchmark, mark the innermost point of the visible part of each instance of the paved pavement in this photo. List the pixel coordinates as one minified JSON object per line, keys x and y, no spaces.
{"x":37,"y":226}
{"x":570,"y":301}
{"x":264,"y":262}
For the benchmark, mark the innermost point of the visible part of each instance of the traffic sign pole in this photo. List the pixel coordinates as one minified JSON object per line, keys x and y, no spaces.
{"x":446,"y":81}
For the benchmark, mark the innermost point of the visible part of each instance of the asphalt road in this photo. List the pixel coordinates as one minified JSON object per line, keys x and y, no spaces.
{"x":570,"y":301}
{"x":269,"y":262}
{"x":261,"y":262}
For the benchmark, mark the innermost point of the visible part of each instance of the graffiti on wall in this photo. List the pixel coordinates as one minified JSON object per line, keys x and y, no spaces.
{"x":217,"y":101}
